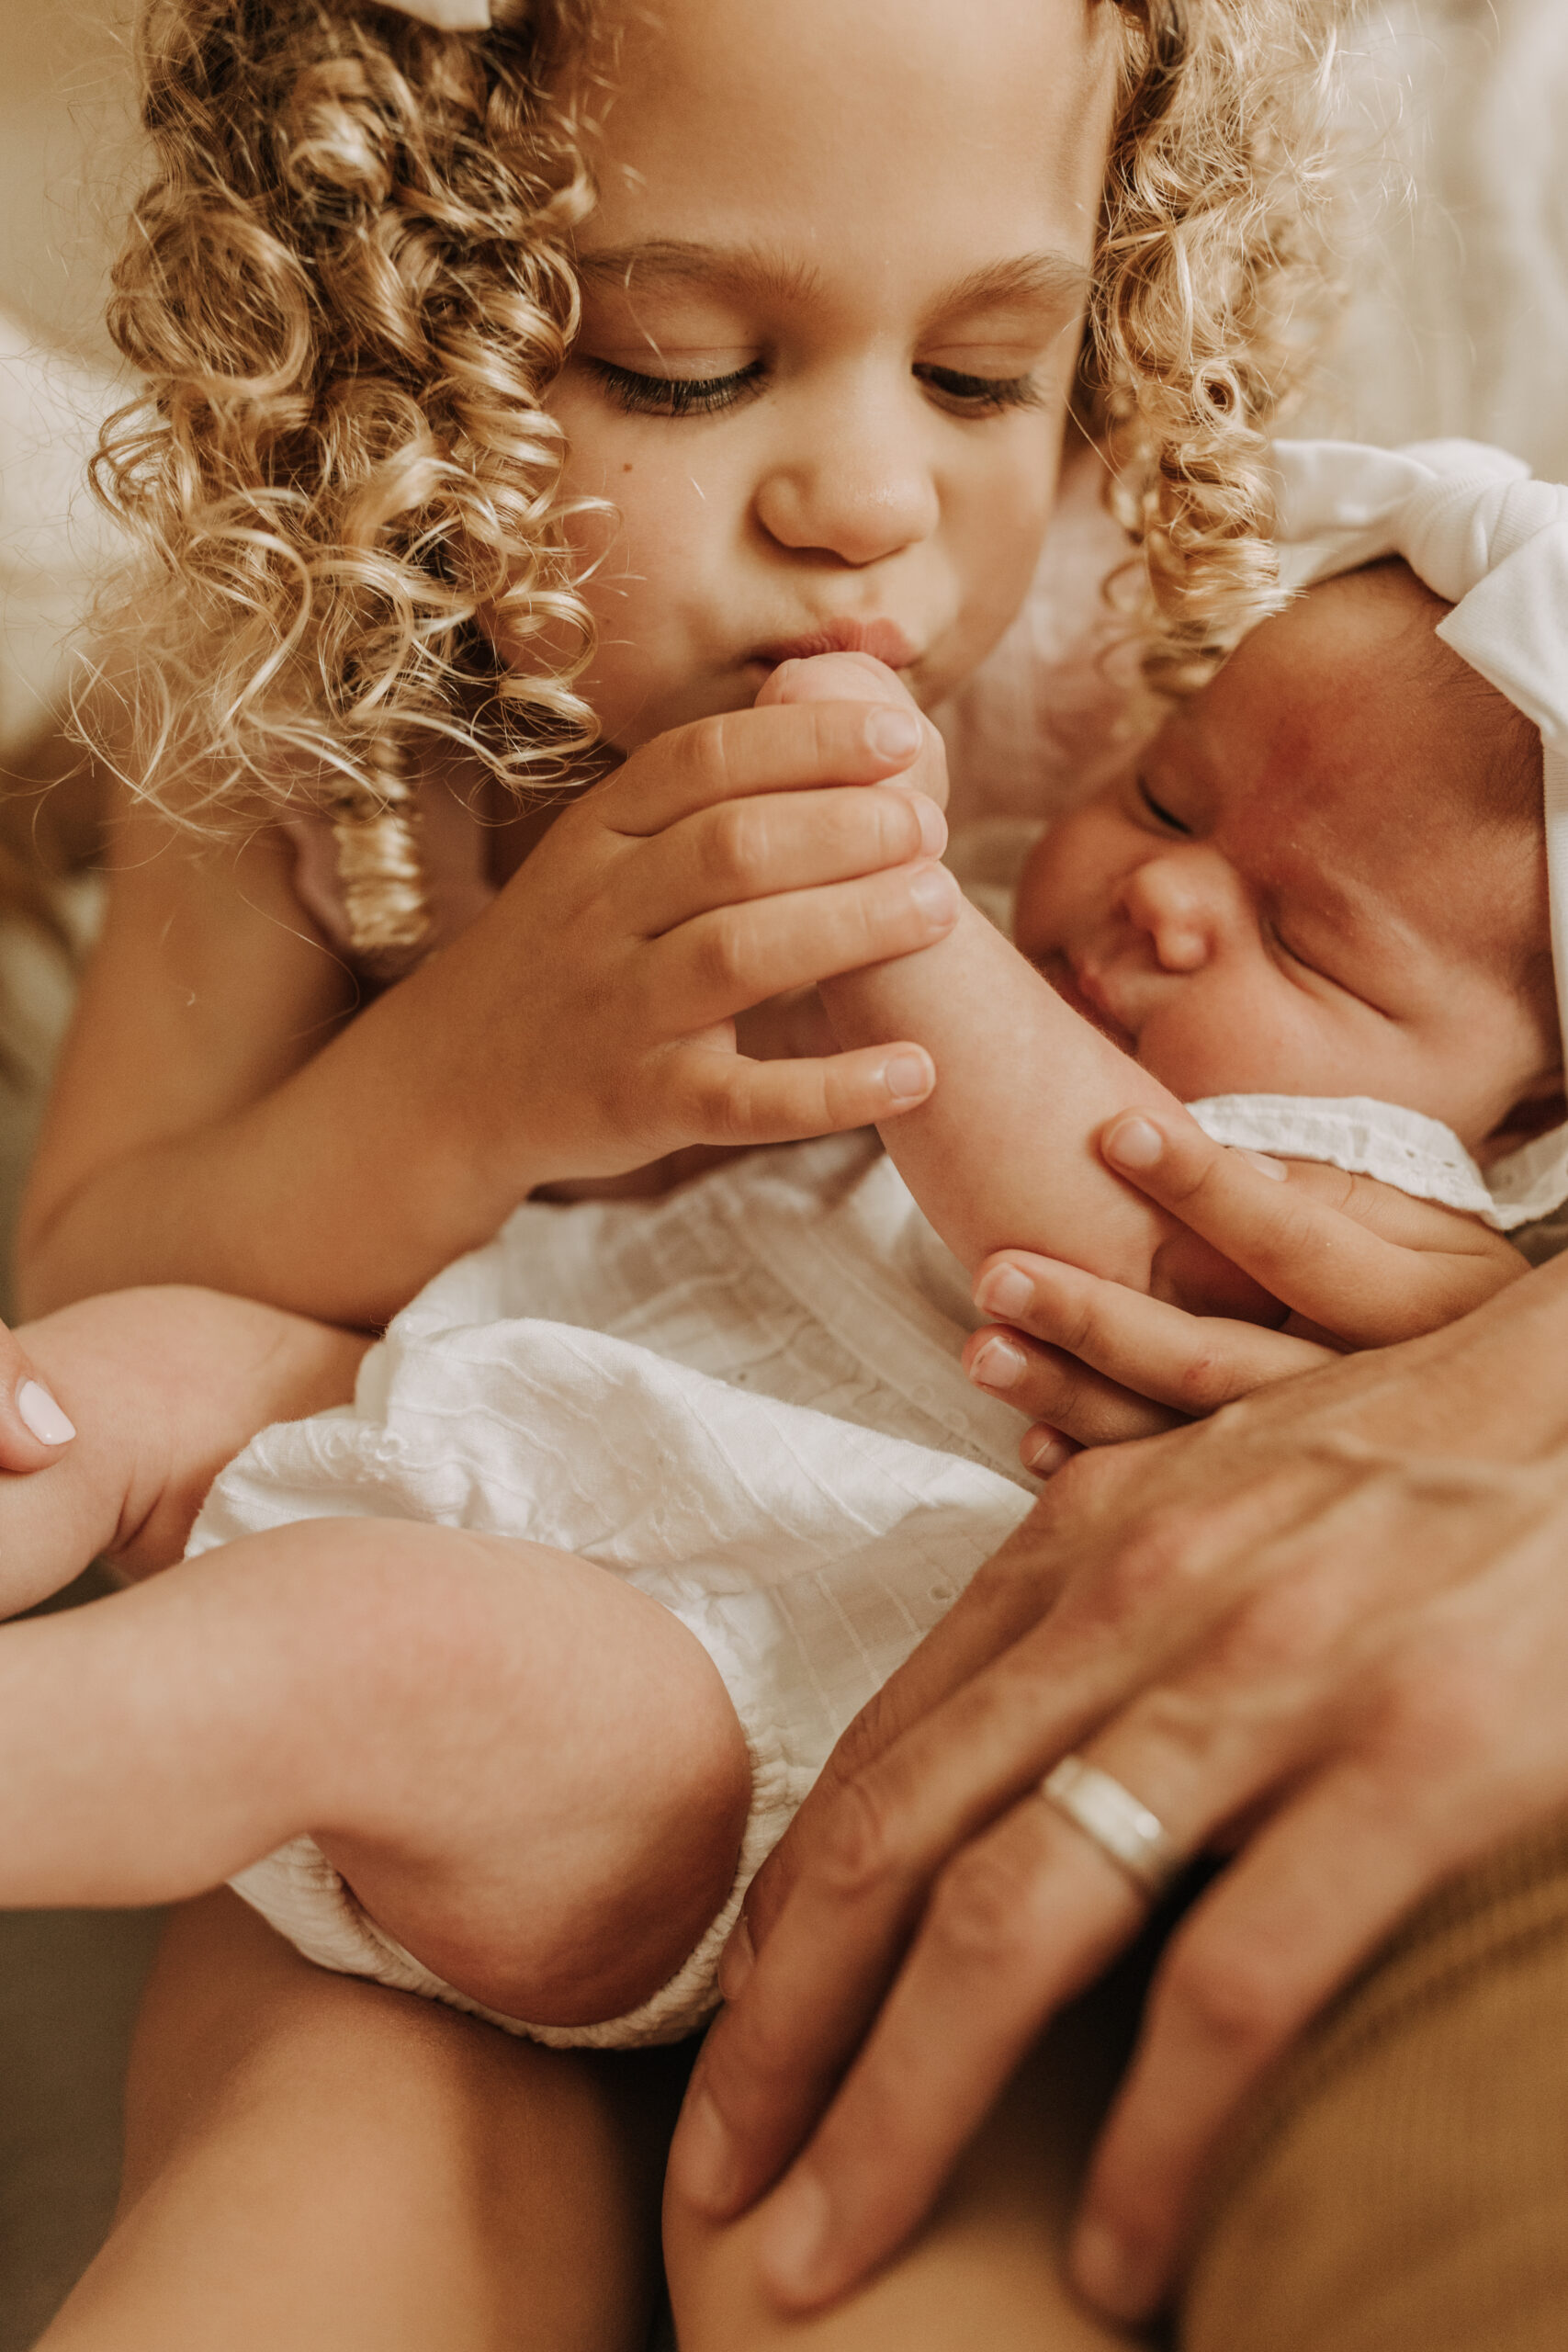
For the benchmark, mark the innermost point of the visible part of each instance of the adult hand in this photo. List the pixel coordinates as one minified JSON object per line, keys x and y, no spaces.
{"x":1358,"y":1265}
{"x":1328,"y":1628}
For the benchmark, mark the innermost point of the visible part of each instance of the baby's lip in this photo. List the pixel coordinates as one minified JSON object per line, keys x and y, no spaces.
{"x":883,"y":640}
{"x":1082,"y":986}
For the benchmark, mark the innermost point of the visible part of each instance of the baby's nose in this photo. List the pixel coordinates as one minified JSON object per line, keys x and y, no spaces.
{"x":1172,"y":899}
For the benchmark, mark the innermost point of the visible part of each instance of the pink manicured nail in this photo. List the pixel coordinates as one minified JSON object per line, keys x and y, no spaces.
{"x":893,"y":734}
{"x":43,"y":1416}
{"x":997,"y":1363}
{"x":908,"y":1076}
{"x":1133,"y":1143}
{"x":1005,"y":1293}
{"x":1267,"y":1167}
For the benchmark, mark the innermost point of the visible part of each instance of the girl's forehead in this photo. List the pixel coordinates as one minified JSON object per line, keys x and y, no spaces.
{"x":879,"y":122}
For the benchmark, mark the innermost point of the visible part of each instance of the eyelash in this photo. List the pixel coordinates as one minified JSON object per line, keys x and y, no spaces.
{"x":1163,"y":816}
{"x":677,"y":396}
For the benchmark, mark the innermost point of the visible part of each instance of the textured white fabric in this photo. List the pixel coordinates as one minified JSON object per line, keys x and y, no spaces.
{"x":1418,"y":1155}
{"x":746,"y":1400}
{"x":1472,"y":523}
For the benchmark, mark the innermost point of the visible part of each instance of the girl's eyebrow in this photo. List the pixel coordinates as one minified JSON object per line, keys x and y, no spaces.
{"x":1050,"y":277}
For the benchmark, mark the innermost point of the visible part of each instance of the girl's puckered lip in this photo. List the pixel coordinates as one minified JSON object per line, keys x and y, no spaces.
{"x":883,"y":640}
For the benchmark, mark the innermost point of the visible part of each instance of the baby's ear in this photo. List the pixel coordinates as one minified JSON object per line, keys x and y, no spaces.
{"x":859,"y":677}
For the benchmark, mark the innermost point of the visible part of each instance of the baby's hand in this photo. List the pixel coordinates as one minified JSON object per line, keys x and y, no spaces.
{"x":1358,"y":1265}
{"x":728,"y":862}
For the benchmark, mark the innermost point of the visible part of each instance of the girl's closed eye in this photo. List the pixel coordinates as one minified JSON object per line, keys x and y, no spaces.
{"x":639,"y":393}
{"x":963,"y":394}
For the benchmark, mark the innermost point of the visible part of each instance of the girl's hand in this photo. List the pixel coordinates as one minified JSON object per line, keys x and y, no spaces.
{"x":728,"y":863}
{"x":1326,"y":1632}
{"x":1358,"y":1265}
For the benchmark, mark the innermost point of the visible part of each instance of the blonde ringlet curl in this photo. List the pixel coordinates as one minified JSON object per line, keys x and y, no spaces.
{"x":1211,"y":293}
{"x":346,"y":292}
{"x":347,"y":289}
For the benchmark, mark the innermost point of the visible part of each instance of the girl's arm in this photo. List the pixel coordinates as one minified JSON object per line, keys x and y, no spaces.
{"x":227,"y":1114}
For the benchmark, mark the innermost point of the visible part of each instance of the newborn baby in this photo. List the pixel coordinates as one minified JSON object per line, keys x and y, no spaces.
{"x":1316,"y":904}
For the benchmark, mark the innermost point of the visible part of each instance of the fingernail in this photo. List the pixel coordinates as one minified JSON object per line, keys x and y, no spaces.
{"x":702,"y":2157}
{"x":1005,"y":1292}
{"x":893,"y":734}
{"x":997,"y":1363}
{"x":908,"y":1076}
{"x":1133,"y":1143}
{"x":933,"y":891}
{"x":794,"y":2234}
{"x":42,"y":1415}
{"x":736,"y":1961}
{"x":1109,"y":2273}
{"x":1267,"y":1167}
{"x":1044,"y":1453}
{"x":933,"y":825}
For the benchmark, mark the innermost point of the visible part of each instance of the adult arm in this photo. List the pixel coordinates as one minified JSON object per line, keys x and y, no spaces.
{"x":1328,"y":1627}
{"x":227,"y":1114}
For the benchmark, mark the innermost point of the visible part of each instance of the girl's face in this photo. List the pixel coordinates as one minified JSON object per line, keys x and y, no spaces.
{"x":833,"y":293}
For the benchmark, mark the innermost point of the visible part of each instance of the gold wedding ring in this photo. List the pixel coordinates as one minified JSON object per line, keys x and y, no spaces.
{"x":1135,"y":1839}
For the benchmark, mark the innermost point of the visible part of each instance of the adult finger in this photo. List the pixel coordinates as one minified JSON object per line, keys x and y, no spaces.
{"x":1320,"y":1262}
{"x":755,"y":848}
{"x":786,"y":748}
{"x":34,"y":1427}
{"x":1192,"y":1364}
{"x":717,"y":964}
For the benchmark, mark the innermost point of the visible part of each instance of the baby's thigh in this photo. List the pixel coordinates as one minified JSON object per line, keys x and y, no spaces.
{"x":558,"y":1782}
{"x":988,"y":2267}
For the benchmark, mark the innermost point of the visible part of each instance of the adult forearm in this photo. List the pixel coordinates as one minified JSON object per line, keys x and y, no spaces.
{"x":1004,"y":1154}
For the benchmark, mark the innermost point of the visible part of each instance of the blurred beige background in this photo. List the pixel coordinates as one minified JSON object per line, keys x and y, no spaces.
{"x":1456,"y":129}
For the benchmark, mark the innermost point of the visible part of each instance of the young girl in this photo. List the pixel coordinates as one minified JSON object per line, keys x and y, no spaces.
{"x":831,"y":291}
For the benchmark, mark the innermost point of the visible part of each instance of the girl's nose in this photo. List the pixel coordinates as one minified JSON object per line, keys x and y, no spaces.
{"x":856,"y":486}
{"x":1179,"y":898}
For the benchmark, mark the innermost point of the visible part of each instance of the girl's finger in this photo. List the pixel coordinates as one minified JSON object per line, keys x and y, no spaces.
{"x":1323,"y":1264}
{"x":727,"y":1099}
{"x":715,"y":966}
{"x":1191,"y":1364}
{"x":745,"y":850}
{"x":789,"y":747}
{"x":1066,"y":1397}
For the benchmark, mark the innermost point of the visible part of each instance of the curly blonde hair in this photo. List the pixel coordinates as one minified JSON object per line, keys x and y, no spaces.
{"x":347,"y":289}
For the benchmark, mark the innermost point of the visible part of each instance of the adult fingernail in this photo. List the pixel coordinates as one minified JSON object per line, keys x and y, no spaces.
{"x":1133,"y":1143}
{"x":794,"y":2236}
{"x":908,"y":1076}
{"x":997,"y":1363}
{"x":702,"y":2157}
{"x":934,"y":891}
{"x":1044,"y":1453}
{"x":42,"y":1415}
{"x":1109,"y":2273}
{"x":1267,"y":1167}
{"x":1004,"y":1291}
{"x":736,"y":1961}
{"x":893,"y":734}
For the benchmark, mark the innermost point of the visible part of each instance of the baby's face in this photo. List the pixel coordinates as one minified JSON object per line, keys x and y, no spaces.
{"x":833,"y":293}
{"x":1299,"y":890}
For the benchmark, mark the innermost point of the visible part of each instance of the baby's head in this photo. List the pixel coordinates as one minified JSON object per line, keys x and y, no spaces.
{"x":1325,"y":876}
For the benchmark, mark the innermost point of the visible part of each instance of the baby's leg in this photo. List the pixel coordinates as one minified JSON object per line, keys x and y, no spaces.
{"x":530,"y":1773}
{"x":164,"y":1387}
